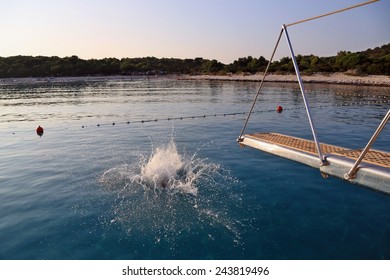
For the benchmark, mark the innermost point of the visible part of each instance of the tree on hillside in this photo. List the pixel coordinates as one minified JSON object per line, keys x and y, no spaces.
{"x":372,"y":61}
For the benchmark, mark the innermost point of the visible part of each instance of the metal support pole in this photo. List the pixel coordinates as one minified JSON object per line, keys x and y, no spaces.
{"x":240,"y":139}
{"x":352,"y":173}
{"x":320,"y":155}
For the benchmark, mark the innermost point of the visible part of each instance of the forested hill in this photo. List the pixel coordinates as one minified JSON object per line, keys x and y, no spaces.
{"x":372,"y":61}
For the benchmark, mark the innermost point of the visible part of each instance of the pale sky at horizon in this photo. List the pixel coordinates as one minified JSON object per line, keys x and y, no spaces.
{"x":214,"y":29}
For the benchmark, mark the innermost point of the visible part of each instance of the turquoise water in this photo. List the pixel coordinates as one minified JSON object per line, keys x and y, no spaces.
{"x":181,"y":189}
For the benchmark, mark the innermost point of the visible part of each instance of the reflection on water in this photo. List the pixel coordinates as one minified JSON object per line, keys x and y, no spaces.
{"x":114,"y":100}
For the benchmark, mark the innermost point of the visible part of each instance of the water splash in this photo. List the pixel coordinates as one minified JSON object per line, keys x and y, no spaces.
{"x":165,"y":169}
{"x":163,"y":166}
{"x":167,"y":196}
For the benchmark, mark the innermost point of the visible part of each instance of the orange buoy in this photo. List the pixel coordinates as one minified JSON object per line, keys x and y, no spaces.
{"x":39,"y":130}
{"x":279,"y":109}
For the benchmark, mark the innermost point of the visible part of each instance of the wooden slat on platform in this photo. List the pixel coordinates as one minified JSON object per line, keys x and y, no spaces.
{"x":373,"y":156}
{"x":373,"y":172}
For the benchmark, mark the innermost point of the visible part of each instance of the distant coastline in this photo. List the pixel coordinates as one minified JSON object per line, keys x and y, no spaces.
{"x":357,"y":64}
{"x":334,"y":78}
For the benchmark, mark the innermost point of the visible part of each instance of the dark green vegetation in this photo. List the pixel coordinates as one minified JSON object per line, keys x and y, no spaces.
{"x":372,"y":61}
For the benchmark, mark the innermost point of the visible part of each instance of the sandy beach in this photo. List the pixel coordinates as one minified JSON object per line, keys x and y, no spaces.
{"x":336,"y":78}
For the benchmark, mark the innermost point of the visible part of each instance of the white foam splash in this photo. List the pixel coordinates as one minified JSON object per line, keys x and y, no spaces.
{"x":166,"y":194}
{"x":163,"y":166}
{"x":164,"y":169}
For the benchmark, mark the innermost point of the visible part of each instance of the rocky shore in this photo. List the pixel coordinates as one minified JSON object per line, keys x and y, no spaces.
{"x":336,"y":78}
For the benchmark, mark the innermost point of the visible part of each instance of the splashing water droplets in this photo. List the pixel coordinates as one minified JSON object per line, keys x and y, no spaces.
{"x":166,"y":195}
{"x":164,"y":168}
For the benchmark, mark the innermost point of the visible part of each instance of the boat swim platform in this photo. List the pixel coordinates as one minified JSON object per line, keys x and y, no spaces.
{"x":373,"y":172}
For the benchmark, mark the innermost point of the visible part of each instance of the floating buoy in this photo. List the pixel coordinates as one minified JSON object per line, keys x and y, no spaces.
{"x":279,"y":109}
{"x":39,"y":130}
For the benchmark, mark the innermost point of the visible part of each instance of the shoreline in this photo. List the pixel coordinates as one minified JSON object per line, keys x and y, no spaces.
{"x":331,"y":79}
{"x":335,"y":79}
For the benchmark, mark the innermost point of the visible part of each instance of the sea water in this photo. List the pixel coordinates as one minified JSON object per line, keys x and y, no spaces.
{"x":123,"y":171}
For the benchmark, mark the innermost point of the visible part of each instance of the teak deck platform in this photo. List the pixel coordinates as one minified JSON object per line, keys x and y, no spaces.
{"x":373,"y":172}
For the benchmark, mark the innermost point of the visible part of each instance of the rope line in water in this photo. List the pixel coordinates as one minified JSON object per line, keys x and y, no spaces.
{"x":382,"y":100}
{"x":241,"y":113}
{"x":384,"y":97}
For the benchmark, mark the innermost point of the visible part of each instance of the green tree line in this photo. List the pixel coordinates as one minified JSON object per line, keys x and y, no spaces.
{"x":372,"y":61}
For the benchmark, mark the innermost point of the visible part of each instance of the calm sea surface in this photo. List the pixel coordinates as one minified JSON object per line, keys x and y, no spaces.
{"x":181,"y":188}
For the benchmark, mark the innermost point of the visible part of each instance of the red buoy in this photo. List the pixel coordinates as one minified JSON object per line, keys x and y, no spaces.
{"x":279,"y":109}
{"x":39,"y":130}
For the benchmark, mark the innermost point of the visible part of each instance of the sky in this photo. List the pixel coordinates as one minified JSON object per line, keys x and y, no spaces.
{"x":213,"y":29}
